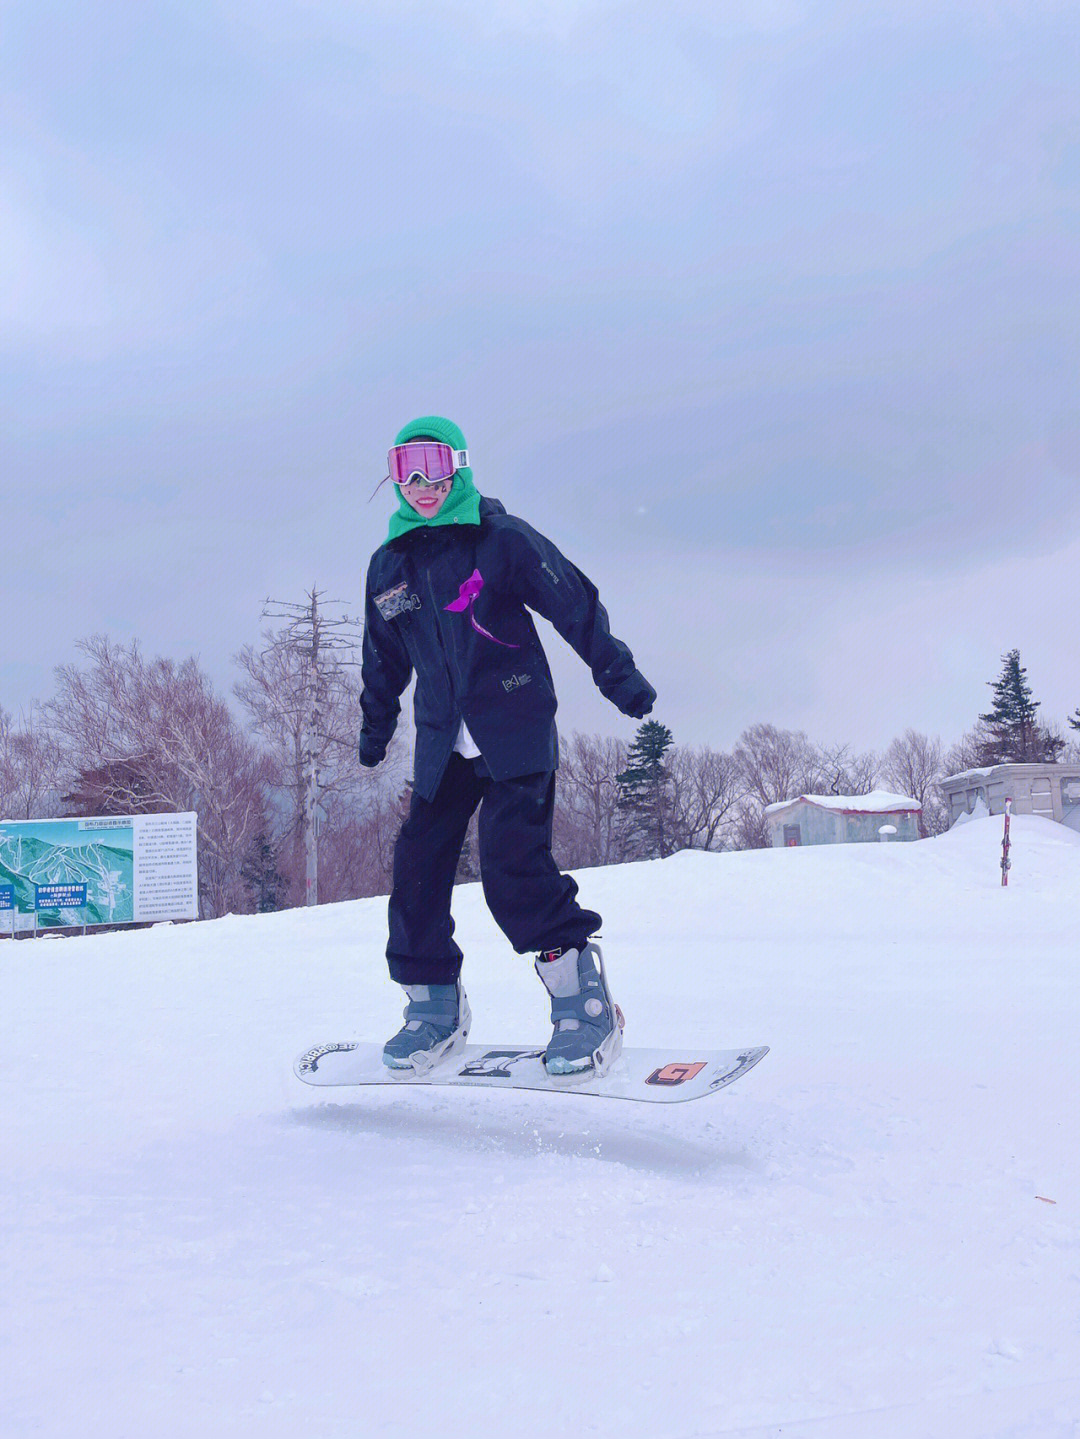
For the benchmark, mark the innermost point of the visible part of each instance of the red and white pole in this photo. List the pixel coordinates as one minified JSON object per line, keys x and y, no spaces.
{"x":1005,"y":861}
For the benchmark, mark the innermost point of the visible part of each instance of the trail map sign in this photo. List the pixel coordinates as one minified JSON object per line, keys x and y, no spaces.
{"x":109,"y":870}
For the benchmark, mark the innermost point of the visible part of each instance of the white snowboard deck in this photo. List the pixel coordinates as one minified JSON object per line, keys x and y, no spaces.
{"x":658,"y":1076}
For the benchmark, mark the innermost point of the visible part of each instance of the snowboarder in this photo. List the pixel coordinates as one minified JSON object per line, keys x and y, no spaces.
{"x":448,"y":597}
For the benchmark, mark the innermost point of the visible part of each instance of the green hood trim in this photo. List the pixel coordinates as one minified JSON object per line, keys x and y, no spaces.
{"x":462,"y":504}
{"x":461,"y":507}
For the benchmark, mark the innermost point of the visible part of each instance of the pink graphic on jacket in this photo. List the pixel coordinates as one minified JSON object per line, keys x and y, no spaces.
{"x":467,"y":596}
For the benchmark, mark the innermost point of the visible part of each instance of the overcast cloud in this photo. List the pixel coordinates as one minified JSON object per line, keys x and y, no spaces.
{"x":768,"y":314}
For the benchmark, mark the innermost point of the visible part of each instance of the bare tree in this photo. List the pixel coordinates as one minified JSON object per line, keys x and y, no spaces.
{"x":586,"y":828}
{"x":706,"y":786}
{"x":303,"y":746}
{"x":751,"y":828}
{"x":967,"y":753}
{"x":912,"y":765}
{"x":356,"y":846}
{"x":839,"y":770}
{"x":293,"y":688}
{"x":30,"y":768}
{"x":148,"y":736}
{"x":776,"y":764}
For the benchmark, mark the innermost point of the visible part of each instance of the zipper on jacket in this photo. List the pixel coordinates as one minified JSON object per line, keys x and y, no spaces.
{"x":454,"y":669}
{"x":437,"y":613}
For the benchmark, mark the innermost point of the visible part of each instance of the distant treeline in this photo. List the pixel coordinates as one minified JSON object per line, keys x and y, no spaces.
{"x":124,"y":734}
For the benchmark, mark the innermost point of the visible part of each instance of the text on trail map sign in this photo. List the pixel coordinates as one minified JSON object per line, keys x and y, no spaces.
{"x":59,"y":896}
{"x":113,"y":869}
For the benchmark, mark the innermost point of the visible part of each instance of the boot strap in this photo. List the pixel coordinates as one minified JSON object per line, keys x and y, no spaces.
{"x":572,"y":1006}
{"x":433,"y":1011}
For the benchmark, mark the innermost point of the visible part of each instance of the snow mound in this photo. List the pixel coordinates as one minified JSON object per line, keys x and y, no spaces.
{"x":874,"y":1234}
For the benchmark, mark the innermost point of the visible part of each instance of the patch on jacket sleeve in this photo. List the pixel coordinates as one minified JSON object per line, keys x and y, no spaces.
{"x":397,"y":601}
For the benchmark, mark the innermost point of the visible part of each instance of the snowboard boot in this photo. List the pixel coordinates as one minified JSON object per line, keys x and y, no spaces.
{"x":437,"y":1020}
{"x":588,"y":1023}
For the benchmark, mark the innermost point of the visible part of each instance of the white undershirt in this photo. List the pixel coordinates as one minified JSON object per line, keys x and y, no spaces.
{"x":465,"y":745}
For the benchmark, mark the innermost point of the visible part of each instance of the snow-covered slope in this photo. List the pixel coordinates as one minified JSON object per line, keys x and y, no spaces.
{"x":857,"y":1239}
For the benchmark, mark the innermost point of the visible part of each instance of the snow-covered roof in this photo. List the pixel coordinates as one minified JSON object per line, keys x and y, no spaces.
{"x":968,"y":774}
{"x":878,"y":801}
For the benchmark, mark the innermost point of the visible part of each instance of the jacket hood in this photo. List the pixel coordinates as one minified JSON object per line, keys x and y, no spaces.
{"x":461,"y":507}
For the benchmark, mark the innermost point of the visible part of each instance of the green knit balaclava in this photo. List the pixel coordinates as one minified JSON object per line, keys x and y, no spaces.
{"x":462,"y":504}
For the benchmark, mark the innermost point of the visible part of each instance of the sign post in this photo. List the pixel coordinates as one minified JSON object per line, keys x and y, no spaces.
{"x":1006,"y":862}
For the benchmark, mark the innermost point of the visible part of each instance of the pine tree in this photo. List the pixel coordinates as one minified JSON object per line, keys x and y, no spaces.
{"x":645,"y":792}
{"x":260,"y":874}
{"x":1017,"y":737}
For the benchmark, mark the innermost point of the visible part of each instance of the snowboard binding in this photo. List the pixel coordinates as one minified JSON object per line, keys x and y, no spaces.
{"x":588,"y":1024}
{"x":437,"y":1021}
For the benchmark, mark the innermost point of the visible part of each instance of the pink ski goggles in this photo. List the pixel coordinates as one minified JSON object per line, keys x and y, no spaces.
{"x":425,"y":462}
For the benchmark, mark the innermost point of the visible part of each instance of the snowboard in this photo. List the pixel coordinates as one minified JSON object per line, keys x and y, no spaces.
{"x":658,"y":1076}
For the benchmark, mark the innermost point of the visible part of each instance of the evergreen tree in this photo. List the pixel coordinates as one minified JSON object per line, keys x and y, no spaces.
{"x":1016,"y":737}
{"x":645,"y":793}
{"x":260,"y":875}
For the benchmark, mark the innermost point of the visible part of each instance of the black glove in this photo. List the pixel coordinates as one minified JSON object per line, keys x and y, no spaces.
{"x":635,"y":696}
{"x":369,"y":753}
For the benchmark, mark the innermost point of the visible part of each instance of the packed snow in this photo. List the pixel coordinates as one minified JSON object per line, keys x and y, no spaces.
{"x":872,"y":1235}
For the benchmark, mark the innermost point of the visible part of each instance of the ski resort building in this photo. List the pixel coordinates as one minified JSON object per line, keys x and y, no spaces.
{"x":843,"y":819}
{"x":1050,"y":790}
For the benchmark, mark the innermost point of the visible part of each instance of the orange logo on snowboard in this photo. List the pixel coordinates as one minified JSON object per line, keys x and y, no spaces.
{"x":675,"y":1073}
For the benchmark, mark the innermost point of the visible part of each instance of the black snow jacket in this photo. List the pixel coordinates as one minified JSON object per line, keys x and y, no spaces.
{"x":481,"y":661}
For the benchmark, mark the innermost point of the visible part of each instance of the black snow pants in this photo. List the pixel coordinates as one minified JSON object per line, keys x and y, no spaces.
{"x":532,"y":902}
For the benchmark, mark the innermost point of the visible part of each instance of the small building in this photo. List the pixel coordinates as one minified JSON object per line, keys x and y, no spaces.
{"x":1050,"y":790}
{"x":843,"y":819}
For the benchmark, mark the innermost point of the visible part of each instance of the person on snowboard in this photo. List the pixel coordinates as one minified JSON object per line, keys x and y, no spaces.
{"x":448,"y":597}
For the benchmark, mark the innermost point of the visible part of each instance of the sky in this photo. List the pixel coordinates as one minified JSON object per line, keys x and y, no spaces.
{"x":767,"y":314}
